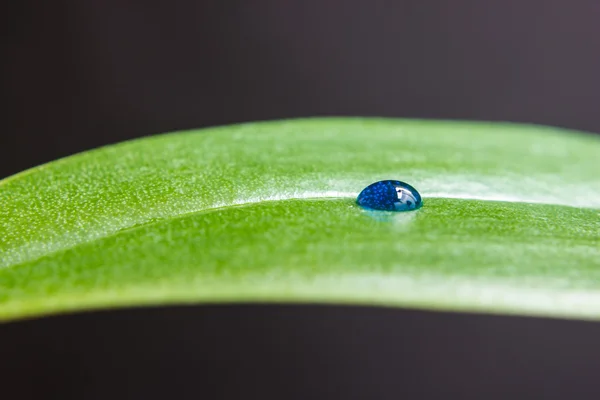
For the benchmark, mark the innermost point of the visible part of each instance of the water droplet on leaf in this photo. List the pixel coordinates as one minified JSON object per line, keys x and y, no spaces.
{"x":390,"y":196}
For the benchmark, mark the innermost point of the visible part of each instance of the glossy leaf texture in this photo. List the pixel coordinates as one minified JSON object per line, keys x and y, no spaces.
{"x":265,"y":212}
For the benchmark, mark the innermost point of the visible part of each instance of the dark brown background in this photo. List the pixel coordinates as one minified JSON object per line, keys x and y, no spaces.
{"x":80,"y":74}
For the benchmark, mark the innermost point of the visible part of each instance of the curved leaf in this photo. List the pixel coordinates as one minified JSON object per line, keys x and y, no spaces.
{"x":265,"y":212}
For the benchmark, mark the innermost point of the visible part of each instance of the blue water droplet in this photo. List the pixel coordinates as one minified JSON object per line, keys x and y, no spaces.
{"x":390,"y":196}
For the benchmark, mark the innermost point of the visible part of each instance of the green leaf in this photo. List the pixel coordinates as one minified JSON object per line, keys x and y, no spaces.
{"x":265,"y":212}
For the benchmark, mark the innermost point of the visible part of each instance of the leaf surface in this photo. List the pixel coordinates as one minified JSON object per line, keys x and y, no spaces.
{"x":265,"y":212}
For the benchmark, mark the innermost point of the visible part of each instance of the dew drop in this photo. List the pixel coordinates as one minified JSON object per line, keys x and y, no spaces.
{"x":390,"y":196}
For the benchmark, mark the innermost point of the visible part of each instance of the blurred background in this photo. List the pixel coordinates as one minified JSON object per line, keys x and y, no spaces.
{"x":83,"y":73}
